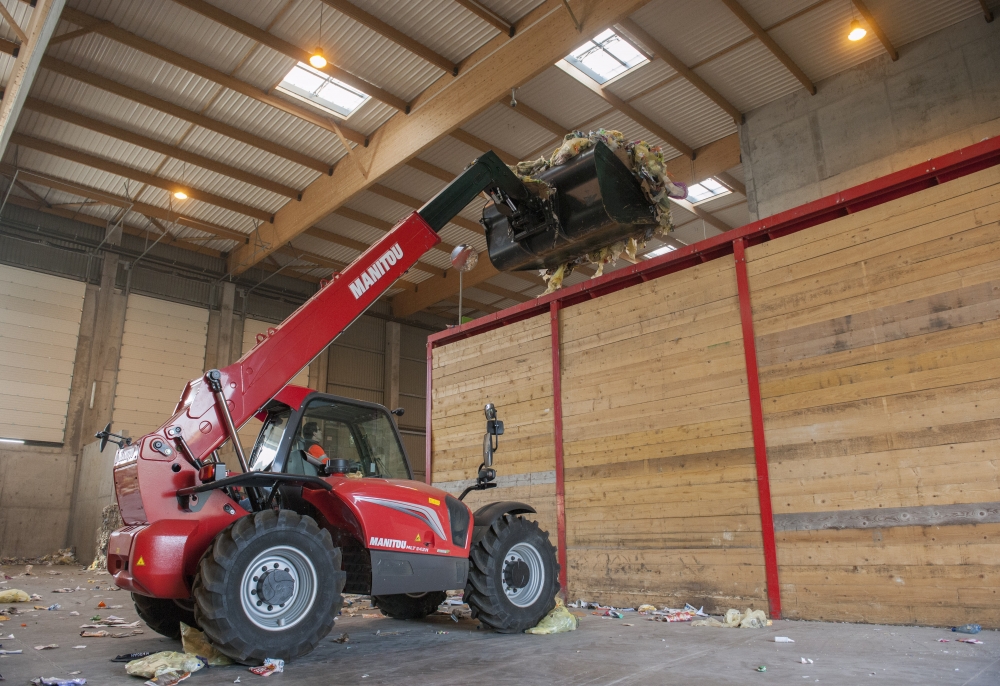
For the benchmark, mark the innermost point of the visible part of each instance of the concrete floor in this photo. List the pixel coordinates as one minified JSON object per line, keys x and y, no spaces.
{"x":604,"y":651}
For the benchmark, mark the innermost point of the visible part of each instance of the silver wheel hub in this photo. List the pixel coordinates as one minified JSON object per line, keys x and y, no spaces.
{"x":278,"y":588}
{"x":523,"y":575}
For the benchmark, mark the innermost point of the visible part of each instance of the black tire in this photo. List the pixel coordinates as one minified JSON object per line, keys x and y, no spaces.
{"x":407,"y":606}
{"x":162,"y":615}
{"x":488,"y":560}
{"x":309,"y":580}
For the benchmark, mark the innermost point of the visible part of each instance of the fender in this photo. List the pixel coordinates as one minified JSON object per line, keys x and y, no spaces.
{"x":487,"y":514}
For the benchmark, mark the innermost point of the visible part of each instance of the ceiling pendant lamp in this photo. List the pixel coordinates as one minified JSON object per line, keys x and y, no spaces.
{"x":857,"y":31}
{"x":180,"y":195}
{"x":317,"y":59}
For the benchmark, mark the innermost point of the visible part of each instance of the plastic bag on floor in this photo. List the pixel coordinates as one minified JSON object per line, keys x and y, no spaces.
{"x":559,"y":621}
{"x":751,"y":619}
{"x":13,"y":595}
{"x":195,"y":643}
{"x":161,"y":663}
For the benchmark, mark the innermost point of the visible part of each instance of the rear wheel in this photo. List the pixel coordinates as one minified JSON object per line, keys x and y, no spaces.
{"x":269,"y":586}
{"x":409,"y":605}
{"x":513,"y":575}
{"x":163,"y":616}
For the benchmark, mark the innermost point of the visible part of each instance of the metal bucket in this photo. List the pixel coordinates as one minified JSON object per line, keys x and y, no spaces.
{"x":598,"y":201}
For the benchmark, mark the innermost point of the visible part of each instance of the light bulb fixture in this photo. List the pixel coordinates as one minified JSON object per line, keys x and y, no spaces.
{"x":316,"y":59}
{"x":857,"y":31}
{"x":180,"y":195}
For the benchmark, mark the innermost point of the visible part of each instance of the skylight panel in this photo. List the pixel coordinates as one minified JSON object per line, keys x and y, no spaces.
{"x":706,"y":190}
{"x":606,"y":57}
{"x":662,"y":250}
{"x":319,"y":89}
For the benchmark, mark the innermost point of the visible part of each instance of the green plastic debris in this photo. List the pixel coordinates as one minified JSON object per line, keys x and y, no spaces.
{"x":558,"y":621}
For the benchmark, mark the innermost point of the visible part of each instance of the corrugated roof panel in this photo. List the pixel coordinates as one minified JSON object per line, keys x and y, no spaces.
{"x":687,"y":113}
{"x":73,"y":137}
{"x":276,"y":126}
{"x":615,"y":120}
{"x":125,"y":65}
{"x":231,"y":189}
{"x":69,"y":171}
{"x":905,"y":21}
{"x":6,"y":67}
{"x":561,"y":99}
{"x":817,"y":41}
{"x":641,"y":78}
{"x":177,"y":28}
{"x":450,"y":154}
{"x":248,"y":158}
{"x":370,"y":116}
{"x":691,"y":30}
{"x":511,"y":10}
{"x":444,"y":26}
{"x":263,"y":66}
{"x":768,"y":12}
{"x":21,"y":12}
{"x":749,"y":76}
{"x":98,"y":104}
{"x":412,"y":182}
{"x":511,"y":132}
{"x":353,"y":47}
{"x":327,"y":249}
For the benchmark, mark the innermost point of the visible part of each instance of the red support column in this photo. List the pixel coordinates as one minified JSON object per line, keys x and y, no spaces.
{"x":427,"y":420}
{"x":757,"y":420}
{"x":554,"y":308}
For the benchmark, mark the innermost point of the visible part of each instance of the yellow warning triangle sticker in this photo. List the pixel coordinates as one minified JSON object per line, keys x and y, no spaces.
{"x":141,"y":562}
{"x":418,"y":538}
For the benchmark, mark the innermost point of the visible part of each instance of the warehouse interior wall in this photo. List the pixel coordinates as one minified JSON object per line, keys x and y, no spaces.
{"x":942,"y":94}
{"x":90,"y":339}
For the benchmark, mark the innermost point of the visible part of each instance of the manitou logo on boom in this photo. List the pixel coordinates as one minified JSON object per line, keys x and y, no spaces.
{"x":376,"y":271}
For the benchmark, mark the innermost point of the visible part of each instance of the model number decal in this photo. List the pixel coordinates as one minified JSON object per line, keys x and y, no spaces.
{"x":387,"y":543}
{"x":376,"y":271}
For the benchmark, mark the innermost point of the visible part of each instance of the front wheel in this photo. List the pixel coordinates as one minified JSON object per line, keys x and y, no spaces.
{"x":269,"y":586}
{"x":409,"y":605}
{"x":164,"y":616}
{"x":513,"y":575}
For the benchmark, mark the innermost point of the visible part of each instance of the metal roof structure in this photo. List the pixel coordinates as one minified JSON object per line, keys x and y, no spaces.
{"x":137,"y":99}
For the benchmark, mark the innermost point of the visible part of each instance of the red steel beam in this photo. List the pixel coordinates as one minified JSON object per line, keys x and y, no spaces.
{"x":757,"y":421}
{"x":876,"y":192}
{"x":557,"y":421}
{"x":427,"y":420}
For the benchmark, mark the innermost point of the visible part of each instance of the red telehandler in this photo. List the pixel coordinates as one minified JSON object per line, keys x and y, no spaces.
{"x":326,"y":503}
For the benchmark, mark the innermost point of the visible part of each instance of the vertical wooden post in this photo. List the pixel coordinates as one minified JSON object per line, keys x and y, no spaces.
{"x":757,"y":421}
{"x":557,"y":421}
{"x":427,"y":424}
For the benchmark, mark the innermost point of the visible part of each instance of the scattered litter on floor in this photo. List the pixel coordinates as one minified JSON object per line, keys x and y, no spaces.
{"x":64,"y":590}
{"x":13,"y":595}
{"x":50,"y":646}
{"x":805,"y":661}
{"x":35,"y":596}
{"x":196,"y":643}
{"x":343,"y":638}
{"x":128,"y":657}
{"x":79,"y":647}
{"x":783,"y":639}
{"x":442,"y":633}
{"x":56,"y":681}
{"x":53,"y":607}
{"x":74,"y":613}
{"x":944,"y":640}
{"x":157,"y":664}
{"x":558,"y":621}
{"x":386,"y":633}
{"x":975,"y":641}
{"x":10,"y":652}
{"x":967,"y":629}
{"x":751,"y":619}
{"x":762,"y":668}
{"x":102,"y":605}
{"x":270,"y":666}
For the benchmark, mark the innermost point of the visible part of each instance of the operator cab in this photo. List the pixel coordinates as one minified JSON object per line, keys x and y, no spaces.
{"x":329,"y":434}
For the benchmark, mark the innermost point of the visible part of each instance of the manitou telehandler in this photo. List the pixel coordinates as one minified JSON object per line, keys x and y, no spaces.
{"x":326,"y":503}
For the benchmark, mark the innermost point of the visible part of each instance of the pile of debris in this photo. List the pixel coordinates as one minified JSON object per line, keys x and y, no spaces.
{"x":647,"y":164}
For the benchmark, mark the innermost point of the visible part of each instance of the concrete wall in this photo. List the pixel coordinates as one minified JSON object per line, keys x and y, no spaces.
{"x":881,"y":116}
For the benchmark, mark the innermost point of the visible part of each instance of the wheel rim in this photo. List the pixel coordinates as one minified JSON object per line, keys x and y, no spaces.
{"x":523,"y":574}
{"x":278,"y":588}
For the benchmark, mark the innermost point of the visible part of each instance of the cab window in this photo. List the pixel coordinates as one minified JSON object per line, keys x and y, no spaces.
{"x":363,"y":436}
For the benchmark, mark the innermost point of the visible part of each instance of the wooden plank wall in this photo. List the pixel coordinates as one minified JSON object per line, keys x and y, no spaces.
{"x":878,"y":340}
{"x":511,"y":368}
{"x":661,"y":496}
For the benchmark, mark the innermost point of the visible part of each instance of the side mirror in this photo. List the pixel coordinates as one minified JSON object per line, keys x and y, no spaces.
{"x":487,"y":451}
{"x":399,"y":411}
